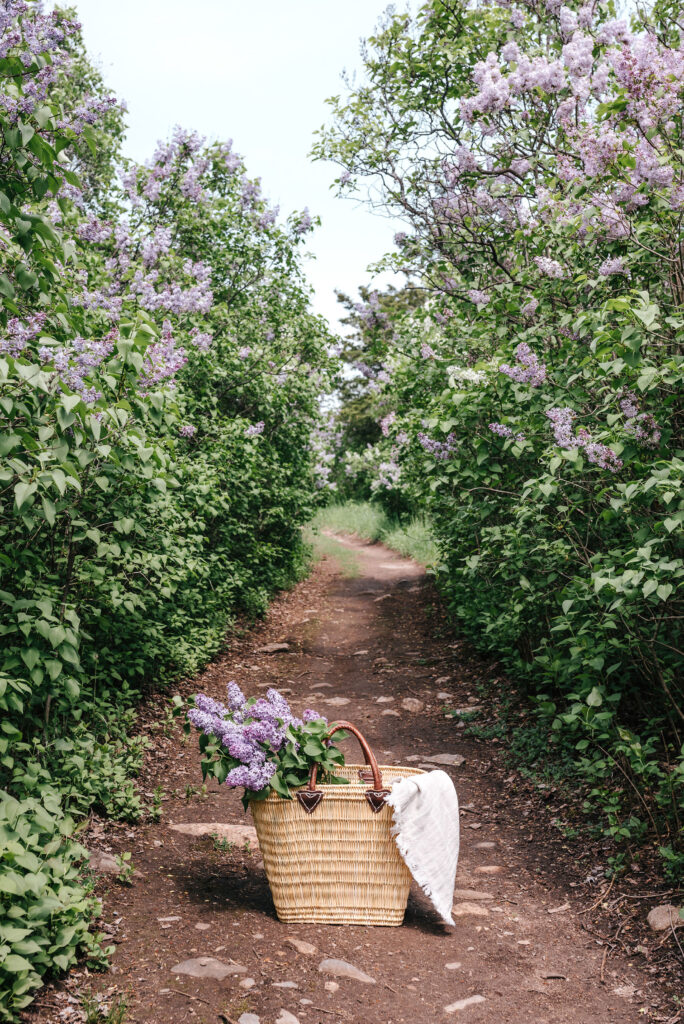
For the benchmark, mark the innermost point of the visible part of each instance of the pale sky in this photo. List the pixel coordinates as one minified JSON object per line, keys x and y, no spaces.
{"x":258,"y":73}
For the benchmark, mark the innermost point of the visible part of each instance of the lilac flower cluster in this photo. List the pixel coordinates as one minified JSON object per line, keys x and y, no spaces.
{"x":479,"y":297}
{"x":529,"y":371}
{"x":426,"y":351}
{"x":503,"y":431}
{"x":549,"y":267}
{"x":75,"y":362}
{"x":388,"y":476}
{"x":642,"y":426}
{"x":386,"y":422}
{"x":255,"y":429}
{"x":303,"y":223}
{"x":187,"y":430}
{"x":251,"y":731}
{"x":614,"y":265}
{"x":602,"y":456}
{"x":370,"y":313}
{"x":326,"y":439}
{"x":162,"y":360}
{"x":629,"y":406}
{"x":20,"y":333}
{"x":530,"y":308}
{"x":440,"y":450}
{"x":562,"y":418}
{"x":41,"y":41}
{"x":599,"y":454}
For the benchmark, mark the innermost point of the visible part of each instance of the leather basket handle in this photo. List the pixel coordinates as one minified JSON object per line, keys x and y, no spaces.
{"x":311,"y":797}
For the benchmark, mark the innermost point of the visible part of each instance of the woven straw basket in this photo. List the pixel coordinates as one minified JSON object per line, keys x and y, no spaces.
{"x":329,"y":856}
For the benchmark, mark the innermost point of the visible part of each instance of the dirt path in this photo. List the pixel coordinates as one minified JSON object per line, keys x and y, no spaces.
{"x":518,"y":945}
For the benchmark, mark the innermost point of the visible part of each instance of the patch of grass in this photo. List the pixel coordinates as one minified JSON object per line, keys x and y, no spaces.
{"x":98,"y":1010}
{"x":330,"y":548}
{"x":412,"y":539}
{"x":359,"y":517}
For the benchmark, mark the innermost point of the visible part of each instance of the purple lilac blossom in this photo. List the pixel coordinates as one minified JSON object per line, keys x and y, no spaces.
{"x":503,"y":431}
{"x":187,"y":430}
{"x":386,"y":422}
{"x":440,"y":450}
{"x":426,"y":351}
{"x":530,"y":371}
{"x":304,"y":222}
{"x":250,"y":732}
{"x":644,"y":429}
{"x":629,"y":406}
{"x":255,"y":429}
{"x":614,"y":265}
{"x":548,"y":267}
{"x":599,"y":454}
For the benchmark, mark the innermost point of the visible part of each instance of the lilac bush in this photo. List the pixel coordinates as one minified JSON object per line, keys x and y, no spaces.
{"x":538,"y":181}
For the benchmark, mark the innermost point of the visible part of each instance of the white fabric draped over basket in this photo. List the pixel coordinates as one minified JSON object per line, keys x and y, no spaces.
{"x":426,"y":830}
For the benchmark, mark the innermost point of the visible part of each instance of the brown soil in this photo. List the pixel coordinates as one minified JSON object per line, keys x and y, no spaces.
{"x":536,"y":950}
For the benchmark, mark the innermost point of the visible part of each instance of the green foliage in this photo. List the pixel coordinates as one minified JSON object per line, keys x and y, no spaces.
{"x":45,"y":905}
{"x":547,"y":296}
{"x":159,"y":373}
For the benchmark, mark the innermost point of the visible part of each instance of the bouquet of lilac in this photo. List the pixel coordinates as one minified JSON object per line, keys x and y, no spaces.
{"x":259,"y":744}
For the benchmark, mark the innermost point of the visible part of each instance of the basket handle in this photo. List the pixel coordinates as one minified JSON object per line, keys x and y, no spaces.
{"x":311,"y":797}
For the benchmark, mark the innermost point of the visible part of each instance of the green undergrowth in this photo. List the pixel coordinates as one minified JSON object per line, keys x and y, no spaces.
{"x":548,"y":758}
{"x":411,"y":538}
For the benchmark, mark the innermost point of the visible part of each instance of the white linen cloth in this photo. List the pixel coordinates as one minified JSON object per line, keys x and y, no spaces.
{"x":426,"y":831}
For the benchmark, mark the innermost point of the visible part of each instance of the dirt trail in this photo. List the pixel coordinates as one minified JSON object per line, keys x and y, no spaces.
{"x":518,"y":941}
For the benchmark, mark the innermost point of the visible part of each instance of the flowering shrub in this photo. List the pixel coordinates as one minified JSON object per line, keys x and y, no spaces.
{"x":159,"y":374}
{"x":258,"y":744}
{"x":540,"y":179}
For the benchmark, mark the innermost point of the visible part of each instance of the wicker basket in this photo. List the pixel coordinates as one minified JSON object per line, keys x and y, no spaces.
{"x":329,"y":856}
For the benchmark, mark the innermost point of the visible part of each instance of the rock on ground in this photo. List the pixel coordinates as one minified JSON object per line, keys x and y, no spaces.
{"x":238,"y":834}
{"x":412,"y":704}
{"x":341,"y":969}
{"x":248,"y":1018}
{"x":463,"y":1004}
{"x":285,"y":1017}
{"x":207,"y":967}
{"x":307,"y":948}
{"x":469,"y":909}
{"x":664,"y":917}
{"x":456,"y":760}
{"x":104,"y":863}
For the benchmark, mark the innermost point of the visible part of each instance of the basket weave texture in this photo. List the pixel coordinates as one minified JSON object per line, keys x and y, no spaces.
{"x":339,"y":864}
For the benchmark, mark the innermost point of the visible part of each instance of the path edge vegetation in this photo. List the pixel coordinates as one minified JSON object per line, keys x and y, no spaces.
{"x":523,"y":390}
{"x":160,"y":368}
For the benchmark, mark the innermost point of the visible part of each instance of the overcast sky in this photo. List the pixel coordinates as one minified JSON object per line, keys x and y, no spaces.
{"x":258,"y":73}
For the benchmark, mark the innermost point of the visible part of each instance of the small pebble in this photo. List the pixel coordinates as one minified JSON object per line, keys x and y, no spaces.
{"x":463,"y":1004}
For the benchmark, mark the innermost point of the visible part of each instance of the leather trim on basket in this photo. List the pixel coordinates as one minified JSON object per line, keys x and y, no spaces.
{"x":310,"y":799}
{"x":376,"y":798}
{"x":366,"y":774}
